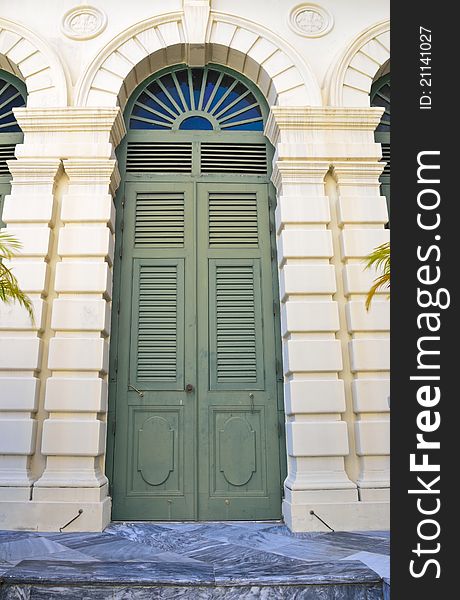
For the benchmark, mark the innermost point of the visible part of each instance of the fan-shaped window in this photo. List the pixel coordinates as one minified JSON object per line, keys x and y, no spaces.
{"x":12,"y":95}
{"x":380,"y":96}
{"x":196,"y":99}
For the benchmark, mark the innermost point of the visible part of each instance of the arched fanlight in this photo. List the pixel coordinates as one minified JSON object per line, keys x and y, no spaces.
{"x":10,"y":97}
{"x":196,"y":99}
{"x":381,"y":96}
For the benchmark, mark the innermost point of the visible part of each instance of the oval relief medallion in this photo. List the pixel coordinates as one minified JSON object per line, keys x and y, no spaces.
{"x":310,"y":20}
{"x":83,"y":22}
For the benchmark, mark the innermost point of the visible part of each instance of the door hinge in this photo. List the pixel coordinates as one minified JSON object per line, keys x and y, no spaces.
{"x":115,"y":365}
{"x":279,"y":370}
{"x":280,"y":429}
{"x":114,"y":426}
{"x":274,"y":307}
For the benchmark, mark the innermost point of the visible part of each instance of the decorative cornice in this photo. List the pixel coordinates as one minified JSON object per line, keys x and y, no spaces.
{"x":311,"y":118}
{"x":72,"y":119}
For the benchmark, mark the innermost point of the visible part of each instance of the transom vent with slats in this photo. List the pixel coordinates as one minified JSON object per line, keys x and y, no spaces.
{"x":157,"y":326}
{"x":386,"y":156}
{"x":177,"y":157}
{"x":155,"y":157}
{"x":248,"y":159}
{"x":6,"y":153}
{"x":159,"y":220}
{"x":235,"y":327}
{"x":232,"y":219}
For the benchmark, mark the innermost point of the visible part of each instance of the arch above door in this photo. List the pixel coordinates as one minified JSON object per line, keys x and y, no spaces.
{"x":263,"y":57}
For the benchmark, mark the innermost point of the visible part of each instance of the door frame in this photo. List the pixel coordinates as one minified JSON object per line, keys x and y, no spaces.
{"x":119,"y":201}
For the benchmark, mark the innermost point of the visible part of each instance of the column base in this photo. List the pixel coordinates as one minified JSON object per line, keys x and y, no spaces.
{"x":341,"y":516}
{"x":70,"y":494}
{"x":50,"y":516}
{"x":374,"y":494}
{"x":15,"y":492}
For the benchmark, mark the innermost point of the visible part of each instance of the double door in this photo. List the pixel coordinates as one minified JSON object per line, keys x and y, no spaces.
{"x":196,"y":406}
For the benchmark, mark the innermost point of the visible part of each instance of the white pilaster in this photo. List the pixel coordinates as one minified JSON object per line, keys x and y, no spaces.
{"x":308,"y":142}
{"x":362,"y":215}
{"x":74,"y":434}
{"x":317,"y":438}
{"x":30,"y":217}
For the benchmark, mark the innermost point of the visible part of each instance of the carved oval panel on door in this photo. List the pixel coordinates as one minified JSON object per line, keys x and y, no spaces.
{"x":237,"y":451}
{"x":155,"y":451}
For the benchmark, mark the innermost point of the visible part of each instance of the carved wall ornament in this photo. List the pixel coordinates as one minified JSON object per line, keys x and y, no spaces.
{"x":310,"y":20}
{"x":83,"y":22}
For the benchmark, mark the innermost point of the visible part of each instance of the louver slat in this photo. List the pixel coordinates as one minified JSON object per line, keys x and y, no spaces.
{"x":159,"y":220}
{"x":386,"y":156}
{"x":236,"y":351}
{"x":232,"y":220}
{"x":157,"y":324}
{"x":234,"y":158}
{"x":6,"y":153}
{"x":155,"y":157}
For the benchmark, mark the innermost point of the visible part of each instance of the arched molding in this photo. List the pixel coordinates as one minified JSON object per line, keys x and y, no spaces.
{"x":351,"y":77}
{"x":284,"y":77}
{"x":26,"y":55}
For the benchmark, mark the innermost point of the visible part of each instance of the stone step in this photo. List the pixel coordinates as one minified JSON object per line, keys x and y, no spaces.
{"x":49,"y":580}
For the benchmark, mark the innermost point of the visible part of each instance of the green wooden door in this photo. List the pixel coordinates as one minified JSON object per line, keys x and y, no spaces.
{"x":155,"y":443}
{"x":195,"y":408}
{"x":196,"y":411}
{"x":238,"y":452}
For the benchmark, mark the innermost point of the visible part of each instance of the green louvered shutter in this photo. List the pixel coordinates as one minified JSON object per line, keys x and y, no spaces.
{"x":159,"y":220}
{"x":236,"y":323}
{"x":158,"y":321}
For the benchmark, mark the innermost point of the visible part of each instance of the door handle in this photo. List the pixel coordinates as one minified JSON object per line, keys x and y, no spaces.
{"x":189,"y":388}
{"x":140,"y":392}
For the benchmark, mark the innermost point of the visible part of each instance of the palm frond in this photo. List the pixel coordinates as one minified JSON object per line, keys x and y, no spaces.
{"x":10,"y":291}
{"x":379,"y":258}
{"x":9,"y":245}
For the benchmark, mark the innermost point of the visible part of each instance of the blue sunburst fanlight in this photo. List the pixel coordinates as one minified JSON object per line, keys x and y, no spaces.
{"x":10,"y":97}
{"x":197,"y":99}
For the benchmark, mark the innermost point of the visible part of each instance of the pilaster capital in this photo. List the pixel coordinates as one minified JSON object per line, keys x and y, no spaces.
{"x":91,"y":171}
{"x":33,"y":171}
{"x":357,"y":172}
{"x":320,"y":118}
{"x":299,"y":172}
{"x":72,"y":119}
